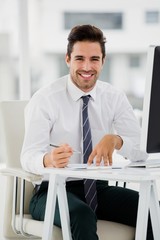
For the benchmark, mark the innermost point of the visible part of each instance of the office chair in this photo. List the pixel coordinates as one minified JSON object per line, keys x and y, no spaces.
{"x":18,"y":223}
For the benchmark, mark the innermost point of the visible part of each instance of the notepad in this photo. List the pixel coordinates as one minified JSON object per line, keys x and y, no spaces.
{"x":79,"y":166}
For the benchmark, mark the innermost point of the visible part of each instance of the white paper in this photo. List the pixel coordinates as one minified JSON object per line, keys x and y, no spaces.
{"x":77,"y":166}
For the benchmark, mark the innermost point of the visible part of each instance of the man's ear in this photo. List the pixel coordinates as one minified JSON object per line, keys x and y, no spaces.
{"x":67,"y":60}
{"x":103,"y":60}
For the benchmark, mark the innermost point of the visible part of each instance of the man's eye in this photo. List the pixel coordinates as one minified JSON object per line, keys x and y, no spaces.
{"x":79,"y":58}
{"x":95,"y":59}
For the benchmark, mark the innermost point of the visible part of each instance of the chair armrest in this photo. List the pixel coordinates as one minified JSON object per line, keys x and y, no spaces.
{"x":20,"y":173}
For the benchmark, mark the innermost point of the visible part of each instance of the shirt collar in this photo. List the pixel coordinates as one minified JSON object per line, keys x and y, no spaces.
{"x":77,"y":93}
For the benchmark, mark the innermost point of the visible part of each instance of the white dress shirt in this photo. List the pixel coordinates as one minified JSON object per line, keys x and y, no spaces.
{"x":53,"y":116}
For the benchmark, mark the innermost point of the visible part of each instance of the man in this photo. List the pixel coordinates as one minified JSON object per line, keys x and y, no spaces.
{"x":54,"y":116}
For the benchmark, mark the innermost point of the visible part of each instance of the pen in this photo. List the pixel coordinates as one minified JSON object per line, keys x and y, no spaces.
{"x":53,"y":145}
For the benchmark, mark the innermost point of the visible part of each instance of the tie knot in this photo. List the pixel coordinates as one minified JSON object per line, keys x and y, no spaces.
{"x":86,"y":99}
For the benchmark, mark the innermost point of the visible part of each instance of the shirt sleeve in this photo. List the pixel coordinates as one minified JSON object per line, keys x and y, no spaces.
{"x":128,"y":127}
{"x":37,"y":128}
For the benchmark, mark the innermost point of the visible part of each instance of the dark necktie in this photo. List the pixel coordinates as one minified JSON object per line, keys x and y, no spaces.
{"x":89,"y":184}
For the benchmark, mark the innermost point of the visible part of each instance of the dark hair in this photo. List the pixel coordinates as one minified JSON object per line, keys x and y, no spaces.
{"x":86,"y":33}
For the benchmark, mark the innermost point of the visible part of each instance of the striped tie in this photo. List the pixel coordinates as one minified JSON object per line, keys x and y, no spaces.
{"x":89,"y":184}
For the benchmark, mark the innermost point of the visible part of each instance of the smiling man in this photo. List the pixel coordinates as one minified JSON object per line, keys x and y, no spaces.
{"x":85,"y":64}
{"x":78,"y":111}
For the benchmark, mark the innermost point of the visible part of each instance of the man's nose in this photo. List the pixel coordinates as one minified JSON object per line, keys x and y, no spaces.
{"x":87,"y":65}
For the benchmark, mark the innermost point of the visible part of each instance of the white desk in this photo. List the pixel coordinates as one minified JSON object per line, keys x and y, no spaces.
{"x":148,"y":197}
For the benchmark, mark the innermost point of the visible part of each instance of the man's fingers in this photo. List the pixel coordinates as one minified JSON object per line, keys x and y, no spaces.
{"x":110,"y":158}
{"x":91,"y":157}
{"x":63,"y":149}
{"x":98,"y":160}
{"x":106,"y":160}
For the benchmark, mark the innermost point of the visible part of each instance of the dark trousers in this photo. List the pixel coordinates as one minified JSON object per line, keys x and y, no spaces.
{"x":116,"y":204}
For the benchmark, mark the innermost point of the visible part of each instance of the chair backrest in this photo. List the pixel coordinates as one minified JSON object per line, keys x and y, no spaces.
{"x":12,"y":120}
{"x":12,"y":116}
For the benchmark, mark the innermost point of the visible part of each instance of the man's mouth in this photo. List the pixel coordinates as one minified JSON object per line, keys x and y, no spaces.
{"x":86,"y":75}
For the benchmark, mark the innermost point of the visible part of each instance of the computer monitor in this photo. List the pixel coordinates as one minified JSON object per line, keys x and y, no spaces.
{"x":150,"y":135}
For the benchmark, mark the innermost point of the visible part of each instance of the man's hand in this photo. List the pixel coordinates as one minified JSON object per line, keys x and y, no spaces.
{"x":58,"y":157}
{"x":104,"y":149}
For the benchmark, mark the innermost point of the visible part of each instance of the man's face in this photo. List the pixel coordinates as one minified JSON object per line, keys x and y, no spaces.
{"x":85,"y":64}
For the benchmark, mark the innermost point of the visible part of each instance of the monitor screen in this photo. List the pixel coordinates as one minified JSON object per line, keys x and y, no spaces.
{"x":150,"y":136}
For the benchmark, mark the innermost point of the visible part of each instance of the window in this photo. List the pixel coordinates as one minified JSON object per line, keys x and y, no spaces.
{"x":109,"y":20}
{"x":152,"y":17}
{"x":134,"y":61}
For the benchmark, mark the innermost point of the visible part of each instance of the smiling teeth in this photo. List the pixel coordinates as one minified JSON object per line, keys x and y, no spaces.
{"x":86,"y":75}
